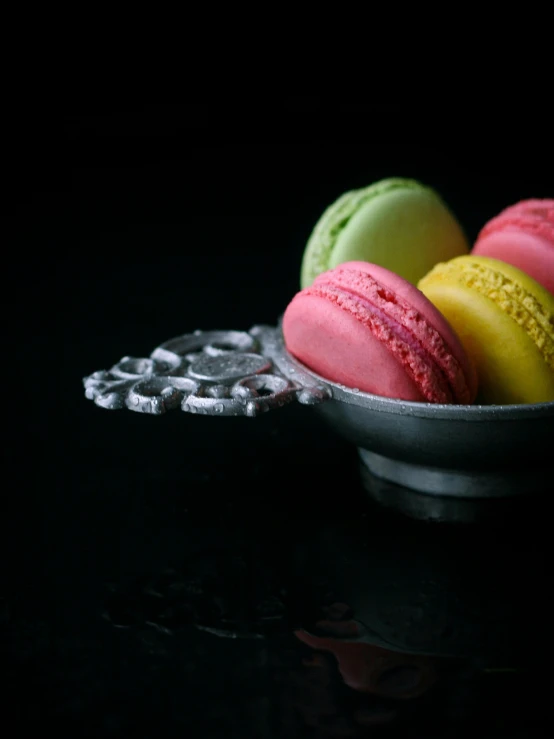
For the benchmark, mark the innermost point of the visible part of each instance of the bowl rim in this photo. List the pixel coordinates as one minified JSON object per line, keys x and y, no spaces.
{"x":438,"y":411}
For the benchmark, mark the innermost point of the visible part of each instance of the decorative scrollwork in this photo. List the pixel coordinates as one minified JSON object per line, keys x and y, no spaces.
{"x":226,"y":373}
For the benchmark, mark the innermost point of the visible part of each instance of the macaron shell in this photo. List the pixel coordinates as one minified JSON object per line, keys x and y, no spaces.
{"x":365,"y":327}
{"x":397,"y":223}
{"x":415,"y":297}
{"x":511,"y":367}
{"x":528,"y":252}
{"x":336,"y":346}
{"x":405,"y":230}
{"x":322,"y":240}
{"x":315,"y":259}
{"x":528,"y":216}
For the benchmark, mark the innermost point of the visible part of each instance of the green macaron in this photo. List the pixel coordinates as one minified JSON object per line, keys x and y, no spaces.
{"x":396,"y":223}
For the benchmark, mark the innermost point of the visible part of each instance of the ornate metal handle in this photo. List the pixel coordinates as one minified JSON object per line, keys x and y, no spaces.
{"x":225,"y":373}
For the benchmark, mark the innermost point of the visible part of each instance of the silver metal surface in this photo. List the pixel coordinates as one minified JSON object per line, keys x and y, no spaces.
{"x":450,"y":450}
{"x":482,"y":483}
{"x":450,"y":507}
{"x":226,"y":373}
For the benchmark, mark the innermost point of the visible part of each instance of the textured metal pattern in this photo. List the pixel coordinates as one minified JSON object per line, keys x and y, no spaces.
{"x":225,"y":373}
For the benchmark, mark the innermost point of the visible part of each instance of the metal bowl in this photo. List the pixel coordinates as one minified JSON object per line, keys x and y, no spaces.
{"x":467,"y":451}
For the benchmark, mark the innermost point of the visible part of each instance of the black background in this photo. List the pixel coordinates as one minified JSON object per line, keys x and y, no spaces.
{"x":137,"y":224}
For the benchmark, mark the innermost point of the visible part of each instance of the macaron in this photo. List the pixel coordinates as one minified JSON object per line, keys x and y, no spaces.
{"x":396,"y":223}
{"x":522,"y":235}
{"x":365,"y":327}
{"x":504,"y":319}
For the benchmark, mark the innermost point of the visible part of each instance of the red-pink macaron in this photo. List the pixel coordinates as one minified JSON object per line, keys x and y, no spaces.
{"x":363,"y":326}
{"x":523,"y":236}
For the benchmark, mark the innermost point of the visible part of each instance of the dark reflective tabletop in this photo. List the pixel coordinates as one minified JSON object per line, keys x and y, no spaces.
{"x":255,"y":593}
{"x":218,"y":577}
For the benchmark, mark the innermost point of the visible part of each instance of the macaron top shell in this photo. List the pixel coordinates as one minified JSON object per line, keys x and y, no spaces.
{"x":397,"y":223}
{"x":522,"y":235}
{"x":535,"y":216}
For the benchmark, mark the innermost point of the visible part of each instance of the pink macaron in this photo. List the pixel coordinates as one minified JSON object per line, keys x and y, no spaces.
{"x":523,"y":236}
{"x":363,"y":326}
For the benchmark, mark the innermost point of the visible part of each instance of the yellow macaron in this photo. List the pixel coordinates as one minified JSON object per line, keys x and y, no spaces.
{"x":504,"y":319}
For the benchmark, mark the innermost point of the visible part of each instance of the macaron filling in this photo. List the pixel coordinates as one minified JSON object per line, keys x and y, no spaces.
{"x":513,"y":299}
{"x":414,"y":343}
